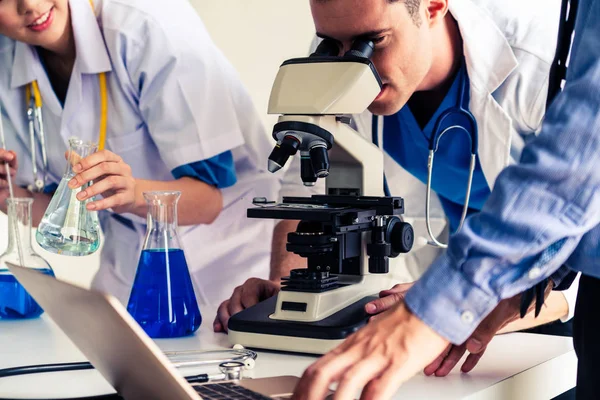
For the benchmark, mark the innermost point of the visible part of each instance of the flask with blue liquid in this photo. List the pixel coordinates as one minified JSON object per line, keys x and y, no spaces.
{"x":15,"y":302}
{"x":162,"y":299}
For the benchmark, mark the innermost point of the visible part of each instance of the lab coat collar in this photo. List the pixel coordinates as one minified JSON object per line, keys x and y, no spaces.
{"x":27,"y":68}
{"x":490,"y":60}
{"x":92,"y":55}
{"x":23,"y":68}
{"x":488,"y":55}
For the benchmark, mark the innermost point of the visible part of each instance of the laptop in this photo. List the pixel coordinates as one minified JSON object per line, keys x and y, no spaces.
{"x":121,"y":351}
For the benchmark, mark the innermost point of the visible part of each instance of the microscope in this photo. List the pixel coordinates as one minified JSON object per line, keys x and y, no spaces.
{"x":347,"y":234}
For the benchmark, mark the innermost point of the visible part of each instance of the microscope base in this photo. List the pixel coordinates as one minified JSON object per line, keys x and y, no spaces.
{"x":254,"y":328}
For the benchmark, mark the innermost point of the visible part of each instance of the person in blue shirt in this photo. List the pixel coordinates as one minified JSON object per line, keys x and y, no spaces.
{"x":177,"y":118}
{"x":541,"y":219}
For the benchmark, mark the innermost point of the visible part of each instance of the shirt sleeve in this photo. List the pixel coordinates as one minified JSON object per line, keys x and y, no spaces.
{"x":183,"y":84}
{"x":538,"y":211}
{"x":218,"y":171}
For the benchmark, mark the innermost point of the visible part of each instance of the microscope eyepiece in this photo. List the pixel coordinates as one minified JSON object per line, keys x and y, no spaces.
{"x":281,"y":153}
{"x":361,"y":48}
{"x":320,"y":160}
{"x":327,"y":47}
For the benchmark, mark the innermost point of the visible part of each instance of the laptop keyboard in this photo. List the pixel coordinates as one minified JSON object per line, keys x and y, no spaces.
{"x":227,"y":391}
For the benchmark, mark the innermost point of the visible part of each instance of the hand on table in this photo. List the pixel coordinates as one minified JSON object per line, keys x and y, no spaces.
{"x":506,"y":311}
{"x":253,"y":291}
{"x":112,"y":179}
{"x":379,"y":357}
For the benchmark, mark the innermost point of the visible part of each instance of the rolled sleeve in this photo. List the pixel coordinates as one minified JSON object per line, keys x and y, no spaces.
{"x":218,"y":171}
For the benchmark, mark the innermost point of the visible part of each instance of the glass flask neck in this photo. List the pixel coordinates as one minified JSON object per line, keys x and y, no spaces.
{"x":78,"y":150}
{"x":162,"y":220}
{"x":19,"y":217}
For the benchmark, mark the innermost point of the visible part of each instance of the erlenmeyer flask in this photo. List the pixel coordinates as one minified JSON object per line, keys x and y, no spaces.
{"x":15,"y":302}
{"x":162,"y":299}
{"x":67,"y":227}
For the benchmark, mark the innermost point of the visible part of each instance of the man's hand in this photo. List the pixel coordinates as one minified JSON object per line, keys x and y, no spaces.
{"x":379,"y":357}
{"x":388,"y":299}
{"x":505,"y":312}
{"x":253,"y":291}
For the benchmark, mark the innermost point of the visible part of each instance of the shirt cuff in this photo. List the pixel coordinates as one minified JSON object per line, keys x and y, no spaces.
{"x":218,"y":171}
{"x":448,"y":302}
{"x":571,"y":298}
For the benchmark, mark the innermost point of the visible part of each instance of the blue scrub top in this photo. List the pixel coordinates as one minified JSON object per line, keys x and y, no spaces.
{"x":408,"y":145}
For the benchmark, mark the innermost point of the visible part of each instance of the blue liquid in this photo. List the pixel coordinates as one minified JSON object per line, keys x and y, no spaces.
{"x":15,"y":302}
{"x":162,"y":300}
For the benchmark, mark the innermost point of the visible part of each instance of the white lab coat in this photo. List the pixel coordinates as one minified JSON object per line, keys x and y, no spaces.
{"x":173,"y":99}
{"x":508,"y":47}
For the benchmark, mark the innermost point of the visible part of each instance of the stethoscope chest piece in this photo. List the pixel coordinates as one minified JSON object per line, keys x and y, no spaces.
{"x":232,"y":370}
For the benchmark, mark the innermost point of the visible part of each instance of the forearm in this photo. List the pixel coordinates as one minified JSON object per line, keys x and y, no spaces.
{"x":554,"y":308}
{"x":40,"y":203}
{"x":200,"y":203}
{"x":282,"y":261}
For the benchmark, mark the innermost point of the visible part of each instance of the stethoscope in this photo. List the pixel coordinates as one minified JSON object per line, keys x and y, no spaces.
{"x":231,"y":363}
{"x":471,"y":130}
{"x":33,"y":99}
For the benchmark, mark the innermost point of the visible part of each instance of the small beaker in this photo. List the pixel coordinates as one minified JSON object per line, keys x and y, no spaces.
{"x":162,"y":298}
{"x":15,"y":302}
{"x":67,"y":227}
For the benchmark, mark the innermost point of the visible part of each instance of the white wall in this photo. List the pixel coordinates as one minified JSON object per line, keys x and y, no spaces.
{"x":256,"y":36}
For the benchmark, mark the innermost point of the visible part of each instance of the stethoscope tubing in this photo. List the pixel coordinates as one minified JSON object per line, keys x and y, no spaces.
{"x":433,"y":146}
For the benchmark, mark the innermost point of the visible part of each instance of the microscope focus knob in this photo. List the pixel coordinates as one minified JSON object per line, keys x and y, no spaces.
{"x":401,"y":235}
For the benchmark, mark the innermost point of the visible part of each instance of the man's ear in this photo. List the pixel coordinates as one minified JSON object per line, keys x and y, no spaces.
{"x":436,"y":10}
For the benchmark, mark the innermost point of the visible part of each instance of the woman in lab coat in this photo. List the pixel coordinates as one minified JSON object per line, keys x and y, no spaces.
{"x":178,"y":119}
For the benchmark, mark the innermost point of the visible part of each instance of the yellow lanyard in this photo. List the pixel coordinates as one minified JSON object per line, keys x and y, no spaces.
{"x":33,"y":88}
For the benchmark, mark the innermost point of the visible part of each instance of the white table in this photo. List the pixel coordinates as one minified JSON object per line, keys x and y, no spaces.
{"x":515,"y":366}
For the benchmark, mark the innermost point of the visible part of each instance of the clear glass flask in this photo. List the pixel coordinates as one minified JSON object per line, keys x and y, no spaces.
{"x":162,"y":299}
{"x":15,"y":302}
{"x":67,"y":227}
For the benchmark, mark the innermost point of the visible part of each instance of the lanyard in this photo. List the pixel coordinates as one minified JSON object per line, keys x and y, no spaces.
{"x":33,"y":89}
{"x":34,"y":104}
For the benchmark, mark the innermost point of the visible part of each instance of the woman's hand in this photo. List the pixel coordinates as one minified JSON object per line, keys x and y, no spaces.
{"x":112,"y":179}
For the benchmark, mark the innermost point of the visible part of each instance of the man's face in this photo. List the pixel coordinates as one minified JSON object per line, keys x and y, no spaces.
{"x":35,"y":22}
{"x":402,"y":53}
